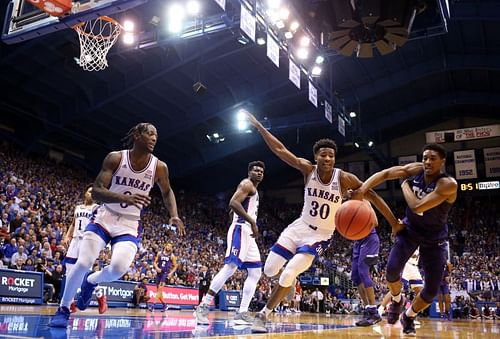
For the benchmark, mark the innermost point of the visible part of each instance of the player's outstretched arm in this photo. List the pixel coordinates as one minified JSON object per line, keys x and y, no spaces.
{"x":245,"y":189}
{"x":168,"y":196}
{"x":446,"y":189}
{"x":395,"y":172}
{"x":277,"y":147}
{"x":349,"y":181}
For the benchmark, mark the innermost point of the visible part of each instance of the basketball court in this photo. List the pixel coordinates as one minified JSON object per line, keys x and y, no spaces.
{"x":31,"y":322}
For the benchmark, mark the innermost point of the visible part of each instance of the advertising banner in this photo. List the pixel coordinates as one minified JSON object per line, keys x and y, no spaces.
{"x":229,"y":300}
{"x":21,"y":287}
{"x":174,"y":295}
{"x":118,"y":293}
{"x":462,"y":134}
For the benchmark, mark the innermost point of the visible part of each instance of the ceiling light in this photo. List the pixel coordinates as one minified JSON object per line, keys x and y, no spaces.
{"x":316,"y":71}
{"x":356,"y":144}
{"x":193,"y":7}
{"x":261,"y":41}
{"x":370,"y":143}
{"x":305,"y":41}
{"x":176,"y":12}
{"x":128,"y":26}
{"x":294,"y":26}
{"x":273,"y":3}
{"x":128,"y":38}
{"x":242,"y":125}
{"x":352,"y":114}
{"x":284,"y":13}
{"x":303,"y":53}
{"x":216,"y":135}
{"x":288,"y":35}
{"x":320,"y":59}
{"x":280,"y":24}
{"x":243,"y":40}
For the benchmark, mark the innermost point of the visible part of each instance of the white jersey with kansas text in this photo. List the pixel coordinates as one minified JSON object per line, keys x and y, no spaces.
{"x":321,"y":200}
{"x":83,"y":215}
{"x":251,"y":206}
{"x":126,"y":180}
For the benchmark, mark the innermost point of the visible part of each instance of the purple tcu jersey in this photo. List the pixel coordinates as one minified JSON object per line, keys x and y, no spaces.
{"x":430,"y":224}
{"x":165,"y":262}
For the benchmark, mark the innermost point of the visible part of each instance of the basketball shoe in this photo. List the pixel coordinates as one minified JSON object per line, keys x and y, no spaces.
{"x":371,"y":317}
{"x":407,"y":324}
{"x":201,"y":314}
{"x":60,"y":319}
{"x":259,"y":323}
{"x":394,"y":310}
{"x":102,"y":301}
{"x":85,"y":295}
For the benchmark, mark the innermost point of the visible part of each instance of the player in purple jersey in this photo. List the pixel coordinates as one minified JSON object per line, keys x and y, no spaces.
{"x":444,"y":297}
{"x":429,"y":193}
{"x":165,"y":265}
{"x":364,"y":255}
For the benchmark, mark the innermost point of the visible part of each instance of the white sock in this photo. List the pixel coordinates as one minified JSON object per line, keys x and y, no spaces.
{"x":266,"y":311}
{"x":410,"y":313}
{"x":249,"y":288}
{"x":207,"y":299}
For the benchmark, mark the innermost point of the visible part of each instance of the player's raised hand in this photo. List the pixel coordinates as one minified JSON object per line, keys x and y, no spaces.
{"x":181,"y":230}
{"x":138,"y":200}
{"x":253,"y":120}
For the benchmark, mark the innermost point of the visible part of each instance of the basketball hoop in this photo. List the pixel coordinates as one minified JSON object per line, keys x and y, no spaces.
{"x":97,"y":36}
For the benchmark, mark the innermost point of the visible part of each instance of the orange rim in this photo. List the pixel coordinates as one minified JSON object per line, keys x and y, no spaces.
{"x":78,"y":27}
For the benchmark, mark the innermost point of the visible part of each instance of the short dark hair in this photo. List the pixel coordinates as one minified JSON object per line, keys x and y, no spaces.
{"x":322,"y":143}
{"x":128,"y":140}
{"x":257,"y":163}
{"x":437,"y":148}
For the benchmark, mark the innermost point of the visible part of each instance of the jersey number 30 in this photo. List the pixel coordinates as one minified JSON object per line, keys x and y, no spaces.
{"x":323,"y":210}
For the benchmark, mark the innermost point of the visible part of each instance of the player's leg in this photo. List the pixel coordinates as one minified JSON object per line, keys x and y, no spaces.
{"x":251,"y":261}
{"x":298,"y":264}
{"x":123,"y":250}
{"x":433,"y":259}
{"x":401,"y":251}
{"x":441,"y":304}
{"x":231,"y":263}
{"x":369,"y":248}
{"x":93,"y":244}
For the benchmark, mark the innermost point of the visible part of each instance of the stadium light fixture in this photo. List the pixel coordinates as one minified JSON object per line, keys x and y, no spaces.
{"x":352,"y":114}
{"x":261,"y":41}
{"x":128,"y":38}
{"x":356,"y":144}
{"x":288,"y":35}
{"x":294,"y":26}
{"x":128,"y":26}
{"x":320,"y":59}
{"x":303,"y":53}
{"x":370,"y":143}
{"x":305,"y":41}
{"x":193,"y":7}
{"x":316,"y":71}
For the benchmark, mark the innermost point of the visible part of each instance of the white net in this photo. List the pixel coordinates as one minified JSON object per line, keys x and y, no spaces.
{"x":96,"y":38}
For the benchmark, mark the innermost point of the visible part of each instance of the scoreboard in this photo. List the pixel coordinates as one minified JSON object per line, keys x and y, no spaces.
{"x":479,"y":185}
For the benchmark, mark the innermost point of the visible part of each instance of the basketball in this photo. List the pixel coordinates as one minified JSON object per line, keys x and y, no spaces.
{"x":355,"y":219}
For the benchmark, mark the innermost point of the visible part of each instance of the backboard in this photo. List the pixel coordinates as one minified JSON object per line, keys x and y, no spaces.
{"x":24,"y":21}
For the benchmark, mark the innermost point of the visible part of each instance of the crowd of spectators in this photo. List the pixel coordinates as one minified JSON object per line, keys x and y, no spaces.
{"x":38,"y":195}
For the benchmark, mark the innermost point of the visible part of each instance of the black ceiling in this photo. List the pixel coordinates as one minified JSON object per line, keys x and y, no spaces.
{"x":46,"y":99}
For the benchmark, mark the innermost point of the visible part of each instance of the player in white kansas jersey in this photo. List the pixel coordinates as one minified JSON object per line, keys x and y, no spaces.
{"x":82,"y":216}
{"x":242,"y":251}
{"x":308,"y":236}
{"x":122,"y":186}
